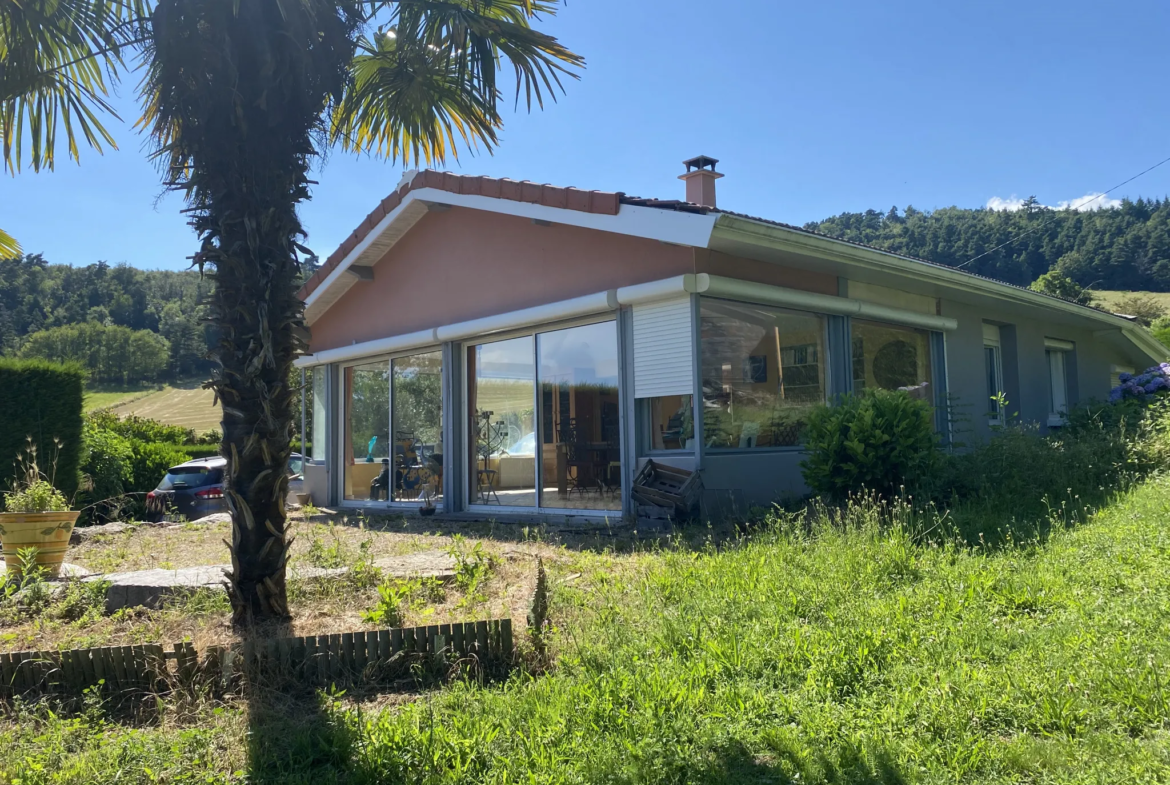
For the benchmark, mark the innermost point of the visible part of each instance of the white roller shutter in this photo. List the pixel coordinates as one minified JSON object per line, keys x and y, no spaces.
{"x":663,"y":356}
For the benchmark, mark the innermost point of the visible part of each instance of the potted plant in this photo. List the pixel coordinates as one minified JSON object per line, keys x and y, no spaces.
{"x":428,"y":506}
{"x":36,"y":515}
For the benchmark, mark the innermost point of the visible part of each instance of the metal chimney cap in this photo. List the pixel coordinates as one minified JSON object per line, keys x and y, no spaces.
{"x":701,"y":162}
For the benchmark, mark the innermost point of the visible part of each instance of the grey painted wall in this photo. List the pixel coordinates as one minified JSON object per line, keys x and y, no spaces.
{"x":1025,"y":366}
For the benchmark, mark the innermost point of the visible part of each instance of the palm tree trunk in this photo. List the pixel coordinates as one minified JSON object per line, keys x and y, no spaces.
{"x":238,"y":92}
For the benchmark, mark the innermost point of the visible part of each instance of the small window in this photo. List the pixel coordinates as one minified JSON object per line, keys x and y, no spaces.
{"x":672,"y":422}
{"x":1057,"y":353}
{"x":993,"y":366}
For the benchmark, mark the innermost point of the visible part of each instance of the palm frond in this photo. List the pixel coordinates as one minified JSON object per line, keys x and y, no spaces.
{"x":57,"y":60}
{"x":410,"y":104}
{"x":9,"y":248}
{"x":430,"y":82}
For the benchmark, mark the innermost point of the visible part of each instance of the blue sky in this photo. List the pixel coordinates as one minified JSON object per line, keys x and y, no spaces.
{"x":812,"y":109}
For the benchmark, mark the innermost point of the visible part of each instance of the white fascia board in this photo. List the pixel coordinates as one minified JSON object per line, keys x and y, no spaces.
{"x":541,"y":314}
{"x":652,"y":223}
{"x":665,"y":289}
{"x":395,"y":343}
{"x":668,"y":226}
{"x":360,"y":248}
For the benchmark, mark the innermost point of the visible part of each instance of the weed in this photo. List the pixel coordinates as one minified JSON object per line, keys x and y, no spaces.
{"x":473,"y":567}
{"x":396,"y":597}
{"x":326,"y":555}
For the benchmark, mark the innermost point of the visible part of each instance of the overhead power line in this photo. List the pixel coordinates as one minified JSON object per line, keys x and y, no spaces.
{"x":1050,"y":218}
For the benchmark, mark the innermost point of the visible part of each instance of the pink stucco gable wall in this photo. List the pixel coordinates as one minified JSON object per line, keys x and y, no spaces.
{"x":462,"y":264}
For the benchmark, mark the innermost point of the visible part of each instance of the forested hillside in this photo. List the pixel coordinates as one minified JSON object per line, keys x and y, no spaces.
{"x":1127,"y":247}
{"x":100,"y":315}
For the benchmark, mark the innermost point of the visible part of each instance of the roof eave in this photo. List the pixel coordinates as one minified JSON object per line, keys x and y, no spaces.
{"x":796,"y":241}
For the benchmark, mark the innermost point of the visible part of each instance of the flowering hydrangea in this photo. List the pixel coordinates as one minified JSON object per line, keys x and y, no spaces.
{"x":1150,"y":382}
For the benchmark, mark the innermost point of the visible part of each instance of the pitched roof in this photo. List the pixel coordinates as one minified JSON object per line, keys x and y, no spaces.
{"x":600,"y":202}
{"x":569,"y":198}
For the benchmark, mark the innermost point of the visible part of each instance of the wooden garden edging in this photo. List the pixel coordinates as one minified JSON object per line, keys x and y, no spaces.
{"x":313,"y":660}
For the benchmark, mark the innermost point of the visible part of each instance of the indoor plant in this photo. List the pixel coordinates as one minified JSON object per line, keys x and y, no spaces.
{"x":36,"y":515}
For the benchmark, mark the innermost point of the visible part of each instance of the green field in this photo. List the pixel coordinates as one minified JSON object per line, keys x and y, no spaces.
{"x":181,"y":403}
{"x":1108,"y":298}
{"x":107,"y":396}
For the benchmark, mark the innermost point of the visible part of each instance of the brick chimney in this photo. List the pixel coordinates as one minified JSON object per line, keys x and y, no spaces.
{"x":701,"y":177}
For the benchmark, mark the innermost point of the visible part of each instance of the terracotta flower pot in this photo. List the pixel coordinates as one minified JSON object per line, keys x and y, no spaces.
{"x":48,"y":532}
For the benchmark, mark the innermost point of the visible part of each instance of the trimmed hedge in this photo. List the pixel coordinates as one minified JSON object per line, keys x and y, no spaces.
{"x":42,"y":400}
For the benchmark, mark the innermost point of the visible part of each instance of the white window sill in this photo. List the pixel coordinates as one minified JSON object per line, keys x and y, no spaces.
{"x":1056,"y":420}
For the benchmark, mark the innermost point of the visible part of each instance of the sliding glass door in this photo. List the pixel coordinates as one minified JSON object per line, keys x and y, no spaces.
{"x":502,"y":419}
{"x":393,"y":426}
{"x":579,"y":426}
{"x":543,"y":422}
{"x":366,"y":461}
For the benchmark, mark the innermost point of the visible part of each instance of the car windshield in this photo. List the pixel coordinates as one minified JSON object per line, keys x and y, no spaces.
{"x":190,"y":477}
{"x":296,"y":465}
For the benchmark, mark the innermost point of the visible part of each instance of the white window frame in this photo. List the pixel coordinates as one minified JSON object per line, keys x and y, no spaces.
{"x":1057,"y":408}
{"x":991,"y":340}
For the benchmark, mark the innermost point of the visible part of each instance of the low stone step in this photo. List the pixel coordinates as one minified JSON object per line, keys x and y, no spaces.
{"x":149,"y":588}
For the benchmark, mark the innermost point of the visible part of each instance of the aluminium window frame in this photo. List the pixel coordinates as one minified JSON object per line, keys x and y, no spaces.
{"x":343,"y":432}
{"x":470,"y":483}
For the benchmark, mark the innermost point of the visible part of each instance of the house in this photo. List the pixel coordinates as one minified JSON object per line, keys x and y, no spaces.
{"x":508,"y":348}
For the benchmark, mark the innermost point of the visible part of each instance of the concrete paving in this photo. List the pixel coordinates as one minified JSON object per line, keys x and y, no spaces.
{"x":150,"y":588}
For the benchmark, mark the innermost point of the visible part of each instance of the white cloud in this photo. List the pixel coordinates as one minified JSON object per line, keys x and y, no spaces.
{"x":1011,"y":204}
{"x":1090,"y":201}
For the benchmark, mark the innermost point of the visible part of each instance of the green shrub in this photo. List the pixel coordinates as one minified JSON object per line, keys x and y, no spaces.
{"x":142,"y":429}
{"x":107,"y":461}
{"x":150,"y":462}
{"x":201,"y":450}
{"x":881,"y":441}
{"x":42,"y":401}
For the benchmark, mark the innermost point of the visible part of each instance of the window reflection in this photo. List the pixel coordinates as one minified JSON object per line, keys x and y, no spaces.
{"x":891,"y":358}
{"x":418,"y":427}
{"x":501,"y":413}
{"x":672,"y":423}
{"x":580,"y":435}
{"x":367,"y":431}
{"x":763,"y":372}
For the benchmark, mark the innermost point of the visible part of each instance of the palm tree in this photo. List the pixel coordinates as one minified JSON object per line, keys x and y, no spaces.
{"x":239,"y":98}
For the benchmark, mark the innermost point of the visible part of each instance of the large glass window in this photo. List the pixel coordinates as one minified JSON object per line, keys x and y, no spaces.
{"x":580,"y":435}
{"x":502,"y":415}
{"x":891,"y":358}
{"x":763,"y":372}
{"x":366,"y":463}
{"x":418,"y":426}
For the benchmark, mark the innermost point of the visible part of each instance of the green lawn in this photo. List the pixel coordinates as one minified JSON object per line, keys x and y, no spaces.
{"x":801,"y":654}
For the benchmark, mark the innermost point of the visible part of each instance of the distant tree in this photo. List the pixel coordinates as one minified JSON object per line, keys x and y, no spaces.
{"x":1125,"y":248}
{"x":110,"y":353}
{"x":1057,"y":284}
{"x":1145,"y":308}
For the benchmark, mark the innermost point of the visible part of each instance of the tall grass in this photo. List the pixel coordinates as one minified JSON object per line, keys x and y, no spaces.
{"x":866,"y":645}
